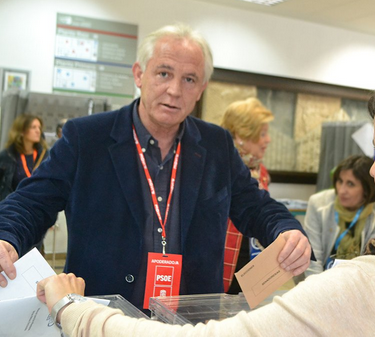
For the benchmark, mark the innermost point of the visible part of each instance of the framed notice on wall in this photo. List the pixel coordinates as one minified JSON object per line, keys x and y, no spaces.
{"x":95,"y":57}
{"x":14,"y":78}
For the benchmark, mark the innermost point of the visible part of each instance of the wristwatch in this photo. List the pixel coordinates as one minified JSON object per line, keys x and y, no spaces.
{"x":68,"y":299}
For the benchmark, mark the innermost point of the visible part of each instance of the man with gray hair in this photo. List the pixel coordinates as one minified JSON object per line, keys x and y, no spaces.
{"x":149,"y":183}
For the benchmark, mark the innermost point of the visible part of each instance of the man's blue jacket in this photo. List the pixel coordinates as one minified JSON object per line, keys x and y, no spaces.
{"x":92,"y":174}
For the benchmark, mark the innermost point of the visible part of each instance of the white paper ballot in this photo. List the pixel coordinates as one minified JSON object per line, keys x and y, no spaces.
{"x":31,"y":268}
{"x":22,"y":314}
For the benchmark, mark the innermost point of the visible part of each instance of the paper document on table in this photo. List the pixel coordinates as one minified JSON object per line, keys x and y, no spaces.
{"x":31,"y":268}
{"x":263,"y":274}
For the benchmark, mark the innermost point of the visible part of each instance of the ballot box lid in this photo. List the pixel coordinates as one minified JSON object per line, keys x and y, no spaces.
{"x":194,"y":309}
{"x":119,"y":302}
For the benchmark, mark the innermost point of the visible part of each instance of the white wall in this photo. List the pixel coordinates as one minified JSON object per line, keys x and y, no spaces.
{"x":240,"y":40}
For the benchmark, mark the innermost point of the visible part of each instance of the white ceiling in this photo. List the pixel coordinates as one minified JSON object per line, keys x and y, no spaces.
{"x":355,"y":15}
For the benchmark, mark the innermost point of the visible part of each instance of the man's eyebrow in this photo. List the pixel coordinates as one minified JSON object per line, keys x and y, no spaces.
{"x":168,"y":67}
{"x":162,"y":66}
{"x":192,"y":75}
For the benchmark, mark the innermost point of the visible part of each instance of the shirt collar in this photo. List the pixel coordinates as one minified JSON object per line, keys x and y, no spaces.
{"x":144,"y":136}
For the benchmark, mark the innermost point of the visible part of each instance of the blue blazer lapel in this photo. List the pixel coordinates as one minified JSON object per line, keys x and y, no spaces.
{"x":193,"y":158}
{"x":124,"y":159}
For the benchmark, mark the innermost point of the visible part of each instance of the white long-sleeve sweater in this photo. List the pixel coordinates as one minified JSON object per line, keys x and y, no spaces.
{"x":337,"y":302}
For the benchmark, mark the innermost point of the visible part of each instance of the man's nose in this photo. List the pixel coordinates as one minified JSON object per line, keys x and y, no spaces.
{"x":174,"y":87}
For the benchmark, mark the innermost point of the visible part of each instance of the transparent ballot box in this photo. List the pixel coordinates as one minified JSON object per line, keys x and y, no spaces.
{"x":119,"y":302}
{"x":194,"y":309}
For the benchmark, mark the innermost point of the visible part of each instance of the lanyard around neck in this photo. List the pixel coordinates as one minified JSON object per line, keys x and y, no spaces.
{"x":152,"y":187}
{"x":354,"y":221}
{"x":24,"y":163}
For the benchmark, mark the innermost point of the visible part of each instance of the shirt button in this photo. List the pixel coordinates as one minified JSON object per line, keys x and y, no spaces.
{"x":160,"y":198}
{"x":160,"y":230}
{"x":161,"y":167}
{"x":144,"y":150}
{"x":129,"y":278}
{"x":152,"y":141}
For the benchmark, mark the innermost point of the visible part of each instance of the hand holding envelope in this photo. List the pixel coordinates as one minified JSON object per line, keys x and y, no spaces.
{"x":296,"y":253}
{"x":263,"y":275}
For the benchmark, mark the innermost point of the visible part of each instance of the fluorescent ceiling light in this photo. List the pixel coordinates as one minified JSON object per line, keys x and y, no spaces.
{"x":265,"y":2}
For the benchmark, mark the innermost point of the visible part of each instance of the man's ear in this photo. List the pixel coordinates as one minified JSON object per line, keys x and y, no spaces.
{"x":137,"y":74}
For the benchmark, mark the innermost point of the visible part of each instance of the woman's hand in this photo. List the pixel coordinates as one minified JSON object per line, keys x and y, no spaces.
{"x":50,"y":290}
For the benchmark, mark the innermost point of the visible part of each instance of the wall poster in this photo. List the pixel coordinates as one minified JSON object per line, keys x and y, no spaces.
{"x":95,"y":57}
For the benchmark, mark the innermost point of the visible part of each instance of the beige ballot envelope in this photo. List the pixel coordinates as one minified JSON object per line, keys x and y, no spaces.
{"x":263,"y":275}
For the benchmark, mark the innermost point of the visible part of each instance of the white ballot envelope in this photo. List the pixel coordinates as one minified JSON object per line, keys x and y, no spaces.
{"x":22,"y":314}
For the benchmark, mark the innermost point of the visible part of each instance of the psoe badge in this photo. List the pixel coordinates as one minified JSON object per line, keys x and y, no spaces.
{"x":163,"y":276}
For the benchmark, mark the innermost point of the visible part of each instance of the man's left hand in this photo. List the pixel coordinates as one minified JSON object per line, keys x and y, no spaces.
{"x":296,"y":253}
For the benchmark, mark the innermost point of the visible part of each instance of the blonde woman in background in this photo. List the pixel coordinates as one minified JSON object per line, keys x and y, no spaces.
{"x":247,"y":121}
{"x":24,"y":151}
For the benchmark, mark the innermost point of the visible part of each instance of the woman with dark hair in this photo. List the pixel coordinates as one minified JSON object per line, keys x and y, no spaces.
{"x":23,"y":152}
{"x":340,"y":221}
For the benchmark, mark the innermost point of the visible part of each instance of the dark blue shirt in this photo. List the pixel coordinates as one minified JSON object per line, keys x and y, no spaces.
{"x":160,"y":172}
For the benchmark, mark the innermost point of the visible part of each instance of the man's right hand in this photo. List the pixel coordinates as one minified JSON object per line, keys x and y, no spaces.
{"x":8,"y":255}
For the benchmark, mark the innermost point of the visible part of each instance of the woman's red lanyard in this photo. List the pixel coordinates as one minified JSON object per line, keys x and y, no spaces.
{"x":152,"y":188}
{"x":24,"y":163}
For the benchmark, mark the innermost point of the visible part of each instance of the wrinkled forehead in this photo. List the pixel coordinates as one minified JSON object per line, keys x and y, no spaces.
{"x":170,"y":44}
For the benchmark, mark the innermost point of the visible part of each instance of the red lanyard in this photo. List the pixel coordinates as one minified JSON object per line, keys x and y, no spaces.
{"x":24,"y":164}
{"x":152,"y":188}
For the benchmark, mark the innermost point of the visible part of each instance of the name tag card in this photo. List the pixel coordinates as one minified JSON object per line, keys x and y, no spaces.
{"x":163,"y":276}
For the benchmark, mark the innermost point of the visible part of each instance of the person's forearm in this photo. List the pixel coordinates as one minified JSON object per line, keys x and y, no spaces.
{"x":95,"y":320}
